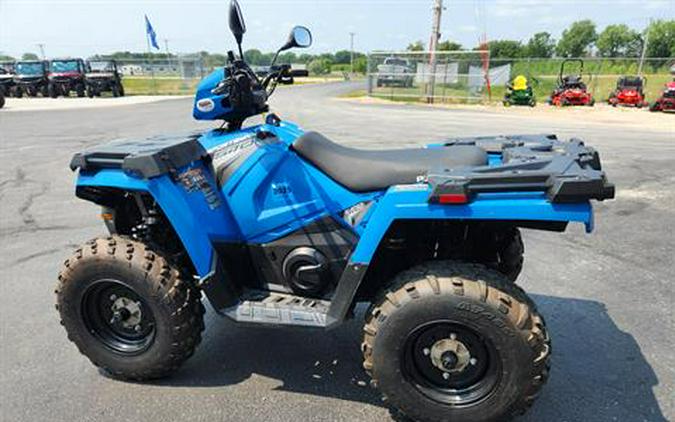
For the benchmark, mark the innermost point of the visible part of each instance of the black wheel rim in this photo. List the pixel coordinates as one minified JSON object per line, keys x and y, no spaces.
{"x":118,"y":317}
{"x":465,"y":383}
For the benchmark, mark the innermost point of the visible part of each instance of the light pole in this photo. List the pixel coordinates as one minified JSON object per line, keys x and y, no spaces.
{"x":351,"y":52}
{"x":433,"y":46}
{"x":644,"y":48}
{"x":42,"y":50}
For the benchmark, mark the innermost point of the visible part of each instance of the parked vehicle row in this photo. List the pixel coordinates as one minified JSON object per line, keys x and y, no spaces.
{"x":59,"y":77}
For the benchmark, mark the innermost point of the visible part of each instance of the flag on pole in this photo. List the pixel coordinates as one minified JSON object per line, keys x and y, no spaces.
{"x":150,"y":32}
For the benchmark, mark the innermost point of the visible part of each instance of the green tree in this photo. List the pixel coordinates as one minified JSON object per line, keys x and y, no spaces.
{"x":305,"y":58}
{"x":360,"y":63}
{"x":29,"y":56}
{"x":505,"y":49}
{"x":576,"y":40}
{"x":343,"y":57}
{"x":288,"y":57}
{"x":415,"y":46}
{"x":541,"y":45}
{"x":618,"y":41}
{"x":6,"y":58}
{"x":255,"y":57}
{"x":661,"y":39}
{"x":449,"y":45}
{"x":319,"y":66}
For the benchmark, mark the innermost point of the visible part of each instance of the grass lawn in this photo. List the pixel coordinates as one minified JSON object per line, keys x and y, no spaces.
{"x":600,"y":86}
{"x":142,"y":85}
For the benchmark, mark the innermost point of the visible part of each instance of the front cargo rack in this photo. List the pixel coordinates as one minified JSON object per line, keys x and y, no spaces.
{"x":565,"y":171}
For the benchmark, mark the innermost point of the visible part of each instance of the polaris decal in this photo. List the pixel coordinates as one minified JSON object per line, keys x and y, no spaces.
{"x":193,"y":180}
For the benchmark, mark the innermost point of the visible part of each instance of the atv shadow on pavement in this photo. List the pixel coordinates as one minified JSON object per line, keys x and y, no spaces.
{"x":600,"y":373}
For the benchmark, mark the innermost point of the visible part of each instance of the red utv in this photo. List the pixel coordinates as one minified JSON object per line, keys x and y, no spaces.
{"x":667,"y":100}
{"x":571,"y":90}
{"x":67,"y":75}
{"x":629,"y":92}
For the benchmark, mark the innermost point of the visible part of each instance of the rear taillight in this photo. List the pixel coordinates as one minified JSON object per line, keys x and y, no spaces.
{"x":453,"y":198}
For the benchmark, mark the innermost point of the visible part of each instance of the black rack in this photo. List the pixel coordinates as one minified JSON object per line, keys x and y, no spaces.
{"x":566,"y":171}
{"x":146,"y":158}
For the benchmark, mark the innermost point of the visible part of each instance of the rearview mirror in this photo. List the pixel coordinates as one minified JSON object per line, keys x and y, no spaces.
{"x":237,"y":25}
{"x":299,"y":37}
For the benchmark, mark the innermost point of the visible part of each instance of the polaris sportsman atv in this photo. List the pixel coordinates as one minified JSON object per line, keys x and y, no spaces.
{"x":103,"y":76}
{"x":629,"y":91}
{"x":67,"y":75}
{"x":278,"y":226}
{"x":519,"y":92}
{"x":31,"y":78}
{"x":571,"y":89}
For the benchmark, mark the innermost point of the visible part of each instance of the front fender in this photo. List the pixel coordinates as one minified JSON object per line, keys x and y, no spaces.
{"x":197,"y":219}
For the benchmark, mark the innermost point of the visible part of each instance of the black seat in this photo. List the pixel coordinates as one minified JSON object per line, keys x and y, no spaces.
{"x":365,"y":170}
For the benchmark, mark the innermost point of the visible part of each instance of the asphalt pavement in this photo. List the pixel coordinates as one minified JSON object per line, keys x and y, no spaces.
{"x":607,"y":297}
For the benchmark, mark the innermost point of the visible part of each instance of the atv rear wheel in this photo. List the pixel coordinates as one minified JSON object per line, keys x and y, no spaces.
{"x":128,"y":309}
{"x":506,"y":253}
{"x":452,"y":341}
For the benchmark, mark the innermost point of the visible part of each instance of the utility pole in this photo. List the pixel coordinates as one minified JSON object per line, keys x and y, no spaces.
{"x":42,"y":50}
{"x":351,"y":52}
{"x":433,"y":46}
{"x":644,"y":48}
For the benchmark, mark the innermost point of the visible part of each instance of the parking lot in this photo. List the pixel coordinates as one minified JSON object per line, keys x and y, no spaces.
{"x":607,"y":297}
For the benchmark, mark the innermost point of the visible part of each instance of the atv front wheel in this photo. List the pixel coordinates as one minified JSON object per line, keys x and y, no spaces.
{"x":452,"y":341}
{"x":128,"y":309}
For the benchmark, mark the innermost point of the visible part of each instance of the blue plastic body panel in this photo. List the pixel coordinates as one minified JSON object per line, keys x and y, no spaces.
{"x":410,"y":202}
{"x":274,"y":192}
{"x":211,"y":106}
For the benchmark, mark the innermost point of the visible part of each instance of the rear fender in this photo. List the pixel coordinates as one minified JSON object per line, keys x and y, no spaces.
{"x":411,"y":202}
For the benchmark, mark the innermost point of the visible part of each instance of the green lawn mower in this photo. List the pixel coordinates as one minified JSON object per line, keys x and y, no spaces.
{"x":519,"y":92}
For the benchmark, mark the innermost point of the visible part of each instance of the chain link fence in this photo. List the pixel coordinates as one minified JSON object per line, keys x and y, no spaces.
{"x":172,"y":75}
{"x":475,"y":77}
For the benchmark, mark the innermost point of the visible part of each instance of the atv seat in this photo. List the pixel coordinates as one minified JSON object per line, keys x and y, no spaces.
{"x":370,"y":170}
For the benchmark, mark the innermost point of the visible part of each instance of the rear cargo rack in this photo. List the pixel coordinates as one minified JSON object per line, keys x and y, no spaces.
{"x":565,"y":171}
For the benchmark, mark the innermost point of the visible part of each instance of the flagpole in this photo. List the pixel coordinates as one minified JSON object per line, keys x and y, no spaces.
{"x":152,"y":69}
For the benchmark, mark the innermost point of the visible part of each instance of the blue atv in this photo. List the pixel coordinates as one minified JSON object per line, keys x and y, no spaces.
{"x":278,"y":226}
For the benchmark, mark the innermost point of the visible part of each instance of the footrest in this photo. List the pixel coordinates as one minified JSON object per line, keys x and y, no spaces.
{"x":279,"y":309}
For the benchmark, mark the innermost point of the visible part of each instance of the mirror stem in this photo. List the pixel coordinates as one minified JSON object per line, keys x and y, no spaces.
{"x":241,"y":53}
{"x":276,"y":56}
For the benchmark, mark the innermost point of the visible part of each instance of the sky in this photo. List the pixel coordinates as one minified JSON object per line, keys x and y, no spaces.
{"x":86,"y":27}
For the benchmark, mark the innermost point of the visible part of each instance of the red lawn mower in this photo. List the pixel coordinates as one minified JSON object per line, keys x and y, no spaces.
{"x":571,"y":90}
{"x":667,"y":100}
{"x":629,"y":92}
